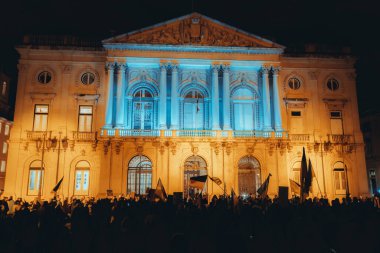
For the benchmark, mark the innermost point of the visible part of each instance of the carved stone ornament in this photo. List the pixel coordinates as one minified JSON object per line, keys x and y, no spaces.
{"x":217,"y":146}
{"x":173,"y":147}
{"x":193,"y":29}
{"x":313,"y":75}
{"x":228,"y":147}
{"x":94,"y":144}
{"x":118,"y":147}
{"x":271,"y":148}
{"x":282,"y":147}
{"x":106,"y":144}
{"x":194,"y":149}
{"x":67,"y":69}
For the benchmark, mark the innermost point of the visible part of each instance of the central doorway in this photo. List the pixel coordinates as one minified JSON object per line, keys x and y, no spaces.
{"x":194,"y":166}
{"x":249,"y":172}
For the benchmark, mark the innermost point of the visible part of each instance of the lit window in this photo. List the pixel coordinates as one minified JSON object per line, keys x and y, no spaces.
{"x":5,"y":147}
{"x":142,"y":116}
{"x":40,"y":117}
{"x":340,"y":178}
{"x":2,"y":166}
{"x":332,"y":84}
{"x":4,"y":88}
{"x":139,"y":175}
{"x":6,"y":129}
{"x":87,"y":78}
{"x":82,"y":178}
{"x":85,"y":118}
{"x":36,"y":174}
{"x":294,"y":83}
{"x":44,"y":77}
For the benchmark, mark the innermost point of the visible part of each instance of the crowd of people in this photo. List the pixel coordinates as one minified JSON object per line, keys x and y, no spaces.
{"x":223,"y":224}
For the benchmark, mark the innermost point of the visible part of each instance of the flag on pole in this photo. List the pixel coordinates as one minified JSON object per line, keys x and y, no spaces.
{"x":56,"y":188}
{"x":263,"y":190}
{"x":308,"y":179}
{"x":198,"y":182}
{"x":160,"y":191}
{"x":295,"y":187}
{"x":216,"y":180}
{"x":303,"y":174}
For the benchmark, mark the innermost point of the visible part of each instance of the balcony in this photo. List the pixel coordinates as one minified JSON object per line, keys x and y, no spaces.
{"x":125,"y":133}
{"x":38,"y":135}
{"x":84,"y":136}
{"x":340,"y":138}
{"x":300,"y":137}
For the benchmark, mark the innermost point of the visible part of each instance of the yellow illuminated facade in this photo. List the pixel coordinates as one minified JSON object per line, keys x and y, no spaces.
{"x":190,"y":96}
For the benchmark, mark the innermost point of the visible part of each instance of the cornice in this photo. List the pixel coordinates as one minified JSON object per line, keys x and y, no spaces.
{"x":192,"y":49}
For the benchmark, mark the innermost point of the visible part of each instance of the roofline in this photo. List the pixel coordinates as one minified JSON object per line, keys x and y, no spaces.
{"x":105,"y":41}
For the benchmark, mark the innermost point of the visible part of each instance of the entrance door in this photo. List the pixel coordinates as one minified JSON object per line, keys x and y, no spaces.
{"x":249,"y":176}
{"x":194,"y":166}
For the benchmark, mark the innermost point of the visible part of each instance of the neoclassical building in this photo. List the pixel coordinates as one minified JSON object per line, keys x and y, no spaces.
{"x":190,"y":96}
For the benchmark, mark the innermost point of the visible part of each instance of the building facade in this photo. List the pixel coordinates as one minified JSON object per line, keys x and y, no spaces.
{"x":190,"y":96}
{"x":5,"y":126}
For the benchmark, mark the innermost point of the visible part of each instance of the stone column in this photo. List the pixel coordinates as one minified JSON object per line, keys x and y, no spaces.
{"x":266,"y":100}
{"x":129,"y":112}
{"x":276,"y":101}
{"x":109,"y":102}
{"x":226,"y":98}
{"x":174,"y":98}
{"x":162,"y":105}
{"x":121,"y":83}
{"x":215,"y":97}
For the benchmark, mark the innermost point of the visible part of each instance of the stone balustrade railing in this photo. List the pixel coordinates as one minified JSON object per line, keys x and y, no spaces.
{"x":123,"y":133}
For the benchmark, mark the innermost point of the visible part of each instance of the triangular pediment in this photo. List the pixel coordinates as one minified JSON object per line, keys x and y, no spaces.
{"x":193,"y":29}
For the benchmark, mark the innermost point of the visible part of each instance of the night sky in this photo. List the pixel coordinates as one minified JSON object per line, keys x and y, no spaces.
{"x":291,"y":23}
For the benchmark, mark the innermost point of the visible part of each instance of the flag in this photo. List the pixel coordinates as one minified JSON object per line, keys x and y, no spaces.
{"x":216,"y":180}
{"x":160,"y":191}
{"x":198,"y":182}
{"x":295,"y":187}
{"x":56,"y":188}
{"x":308,"y":179}
{"x":303,"y":174}
{"x":263,"y":190}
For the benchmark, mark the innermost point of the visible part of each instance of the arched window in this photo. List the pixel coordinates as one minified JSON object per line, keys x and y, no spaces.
{"x":194,"y":166}
{"x":244,"y":109}
{"x":296,"y":172}
{"x":36,"y":176}
{"x":249,"y":175}
{"x":142,"y":116}
{"x":82,"y":178}
{"x":139,"y":174}
{"x":340,"y":178}
{"x":193,"y":110}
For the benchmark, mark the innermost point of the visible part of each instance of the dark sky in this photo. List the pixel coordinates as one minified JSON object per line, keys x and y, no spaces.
{"x":351,"y":23}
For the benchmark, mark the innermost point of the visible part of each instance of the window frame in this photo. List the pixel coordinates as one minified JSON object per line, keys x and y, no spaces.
{"x":46,"y":73}
{"x":41,"y":173}
{"x":85,"y":114}
{"x":39,"y":113}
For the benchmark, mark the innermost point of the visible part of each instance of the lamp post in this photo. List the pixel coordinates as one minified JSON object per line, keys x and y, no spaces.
{"x":45,"y":144}
{"x":54,"y":142}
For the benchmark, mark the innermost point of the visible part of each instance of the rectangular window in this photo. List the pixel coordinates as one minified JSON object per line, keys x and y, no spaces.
{"x":336,"y":122}
{"x":40,"y":117}
{"x":5,"y":147}
{"x":2,"y":166}
{"x":81,"y":182}
{"x":85,"y":118}
{"x":4,"y":88}
{"x":340,"y":181}
{"x":296,"y":113}
{"x":6,"y":130}
{"x":35,"y":179}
